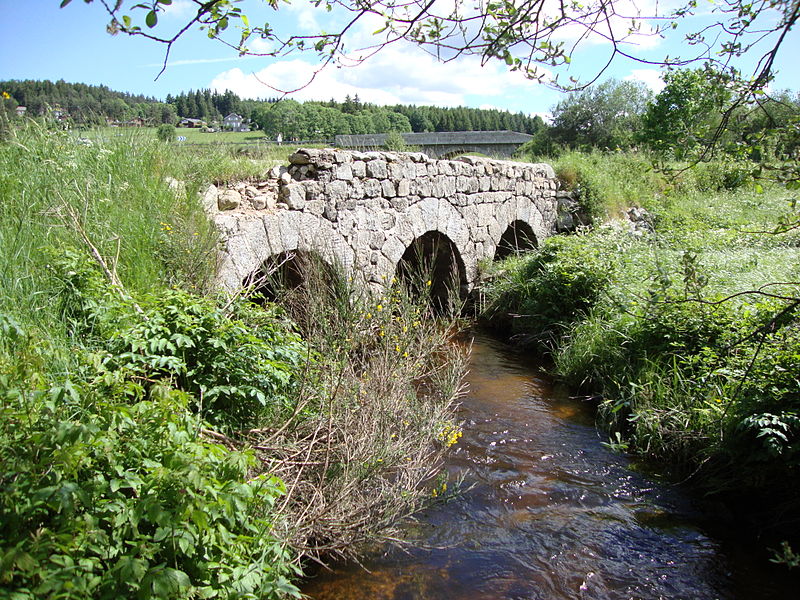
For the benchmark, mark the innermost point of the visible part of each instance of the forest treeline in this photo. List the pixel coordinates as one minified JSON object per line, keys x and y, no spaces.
{"x":679,"y":121}
{"x":82,"y":104}
{"x":96,"y":105}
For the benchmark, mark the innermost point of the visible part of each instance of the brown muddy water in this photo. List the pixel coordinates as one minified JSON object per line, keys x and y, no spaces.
{"x":552,"y":514}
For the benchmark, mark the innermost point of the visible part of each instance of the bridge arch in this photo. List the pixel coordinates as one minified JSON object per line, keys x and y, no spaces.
{"x":282,"y":274}
{"x":251,"y":243}
{"x":433,"y":266}
{"x":518,"y":237}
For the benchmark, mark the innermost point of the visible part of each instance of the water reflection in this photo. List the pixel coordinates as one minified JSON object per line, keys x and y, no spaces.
{"x":551,"y":513}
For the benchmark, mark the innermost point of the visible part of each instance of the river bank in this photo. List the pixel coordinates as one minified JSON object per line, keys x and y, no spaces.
{"x":546,"y":510}
{"x":683,"y":322}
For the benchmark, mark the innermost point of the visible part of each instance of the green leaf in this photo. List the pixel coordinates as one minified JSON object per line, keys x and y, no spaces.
{"x":64,"y":3}
{"x":151,"y":19}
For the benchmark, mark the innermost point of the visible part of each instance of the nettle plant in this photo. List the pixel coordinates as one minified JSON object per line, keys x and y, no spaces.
{"x":239,"y":367}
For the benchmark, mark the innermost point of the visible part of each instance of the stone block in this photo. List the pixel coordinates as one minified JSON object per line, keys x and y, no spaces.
{"x":356,"y":189}
{"x":294,"y":195}
{"x":396,"y":170}
{"x":300,"y":157}
{"x":403,"y":187}
{"x":343,"y":172}
{"x":208,"y":199}
{"x":346,"y":204}
{"x":343,"y":157}
{"x":372,"y":188}
{"x":337,"y":190}
{"x":376,"y":240}
{"x":494,"y":230}
{"x":387,"y":189}
{"x":399,"y":203}
{"x":263,"y":201}
{"x":421,"y":187}
{"x":393,"y":249}
{"x":272,"y":228}
{"x":470,"y":214}
{"x":359,"y":168}
{"x":290,"y":231}
{"x":315,"y":207}
{"x":387,"y":220}
{"x":459,"y":200}
{"x":229,"y":200}
{"x":377,"y":169}
{"x":330,"y":212}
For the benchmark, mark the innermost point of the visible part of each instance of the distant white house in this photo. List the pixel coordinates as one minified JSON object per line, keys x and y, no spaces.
{"x":234,"y":122}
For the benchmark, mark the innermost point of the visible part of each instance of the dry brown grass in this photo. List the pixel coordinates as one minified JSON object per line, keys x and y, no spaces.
{"x":375,"y":417}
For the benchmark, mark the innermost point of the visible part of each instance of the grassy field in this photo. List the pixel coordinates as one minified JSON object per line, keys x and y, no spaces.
{"x":688,"y":327}
{"x":192,"y":135}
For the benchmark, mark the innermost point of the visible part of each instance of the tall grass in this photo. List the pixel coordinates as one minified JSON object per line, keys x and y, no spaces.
{"x":116,"y":193}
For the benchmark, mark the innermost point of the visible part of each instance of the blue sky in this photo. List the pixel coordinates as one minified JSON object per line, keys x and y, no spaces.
{"x":40,"y":41}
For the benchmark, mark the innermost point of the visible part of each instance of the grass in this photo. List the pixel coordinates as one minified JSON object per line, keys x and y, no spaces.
{"x":159,"y":441}
{"x":687,"y":332}
{"x":193,"y":135}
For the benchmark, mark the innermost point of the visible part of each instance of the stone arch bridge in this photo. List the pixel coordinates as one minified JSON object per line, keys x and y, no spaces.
{"x":447,"y":144}
{"x":368,"y":212}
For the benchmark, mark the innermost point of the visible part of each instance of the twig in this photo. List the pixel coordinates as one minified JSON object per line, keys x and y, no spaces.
{"x":110,"y":275}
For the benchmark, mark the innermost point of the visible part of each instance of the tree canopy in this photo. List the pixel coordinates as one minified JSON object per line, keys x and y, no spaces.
{"x":531,"y":36}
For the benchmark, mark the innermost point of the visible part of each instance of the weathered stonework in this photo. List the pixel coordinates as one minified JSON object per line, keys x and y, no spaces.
{"x":362,"y":210}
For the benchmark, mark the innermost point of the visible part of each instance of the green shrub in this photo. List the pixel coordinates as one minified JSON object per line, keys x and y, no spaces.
{"x":108,"y":497}
{"x":550,"y":288}
{"x":715,"y":176}
{"x":239,"y":372}
{"x":166,"y":132}
{"x":608,"y":183}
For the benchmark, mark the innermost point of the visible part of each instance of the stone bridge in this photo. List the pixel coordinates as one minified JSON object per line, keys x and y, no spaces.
{"x":448,"y":144}
{"x":375,"y":213}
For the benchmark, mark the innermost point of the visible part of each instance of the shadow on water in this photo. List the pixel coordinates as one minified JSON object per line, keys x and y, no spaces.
{"x":551,"y":514}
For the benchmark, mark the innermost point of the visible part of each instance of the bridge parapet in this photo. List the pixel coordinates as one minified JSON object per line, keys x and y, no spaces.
{"x":362,"y":210}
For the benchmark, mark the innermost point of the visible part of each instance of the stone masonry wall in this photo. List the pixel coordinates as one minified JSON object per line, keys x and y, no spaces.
{"x":362,"y":210}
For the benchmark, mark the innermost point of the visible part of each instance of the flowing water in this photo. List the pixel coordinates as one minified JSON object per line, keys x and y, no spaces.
{"x":552,"y":514}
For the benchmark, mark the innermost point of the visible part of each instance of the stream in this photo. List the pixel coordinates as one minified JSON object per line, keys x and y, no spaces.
{"x":551,"y":513}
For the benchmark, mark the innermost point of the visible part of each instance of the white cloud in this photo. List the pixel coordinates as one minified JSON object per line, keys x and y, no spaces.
{"x":632,"y":24}
{"x":398,"y":74}
{"x":179,"y":9}
{"x":198,"y":61}
{"x":650,"y":77}
{"x":306,"y":15}
{"x":260,"y":46}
